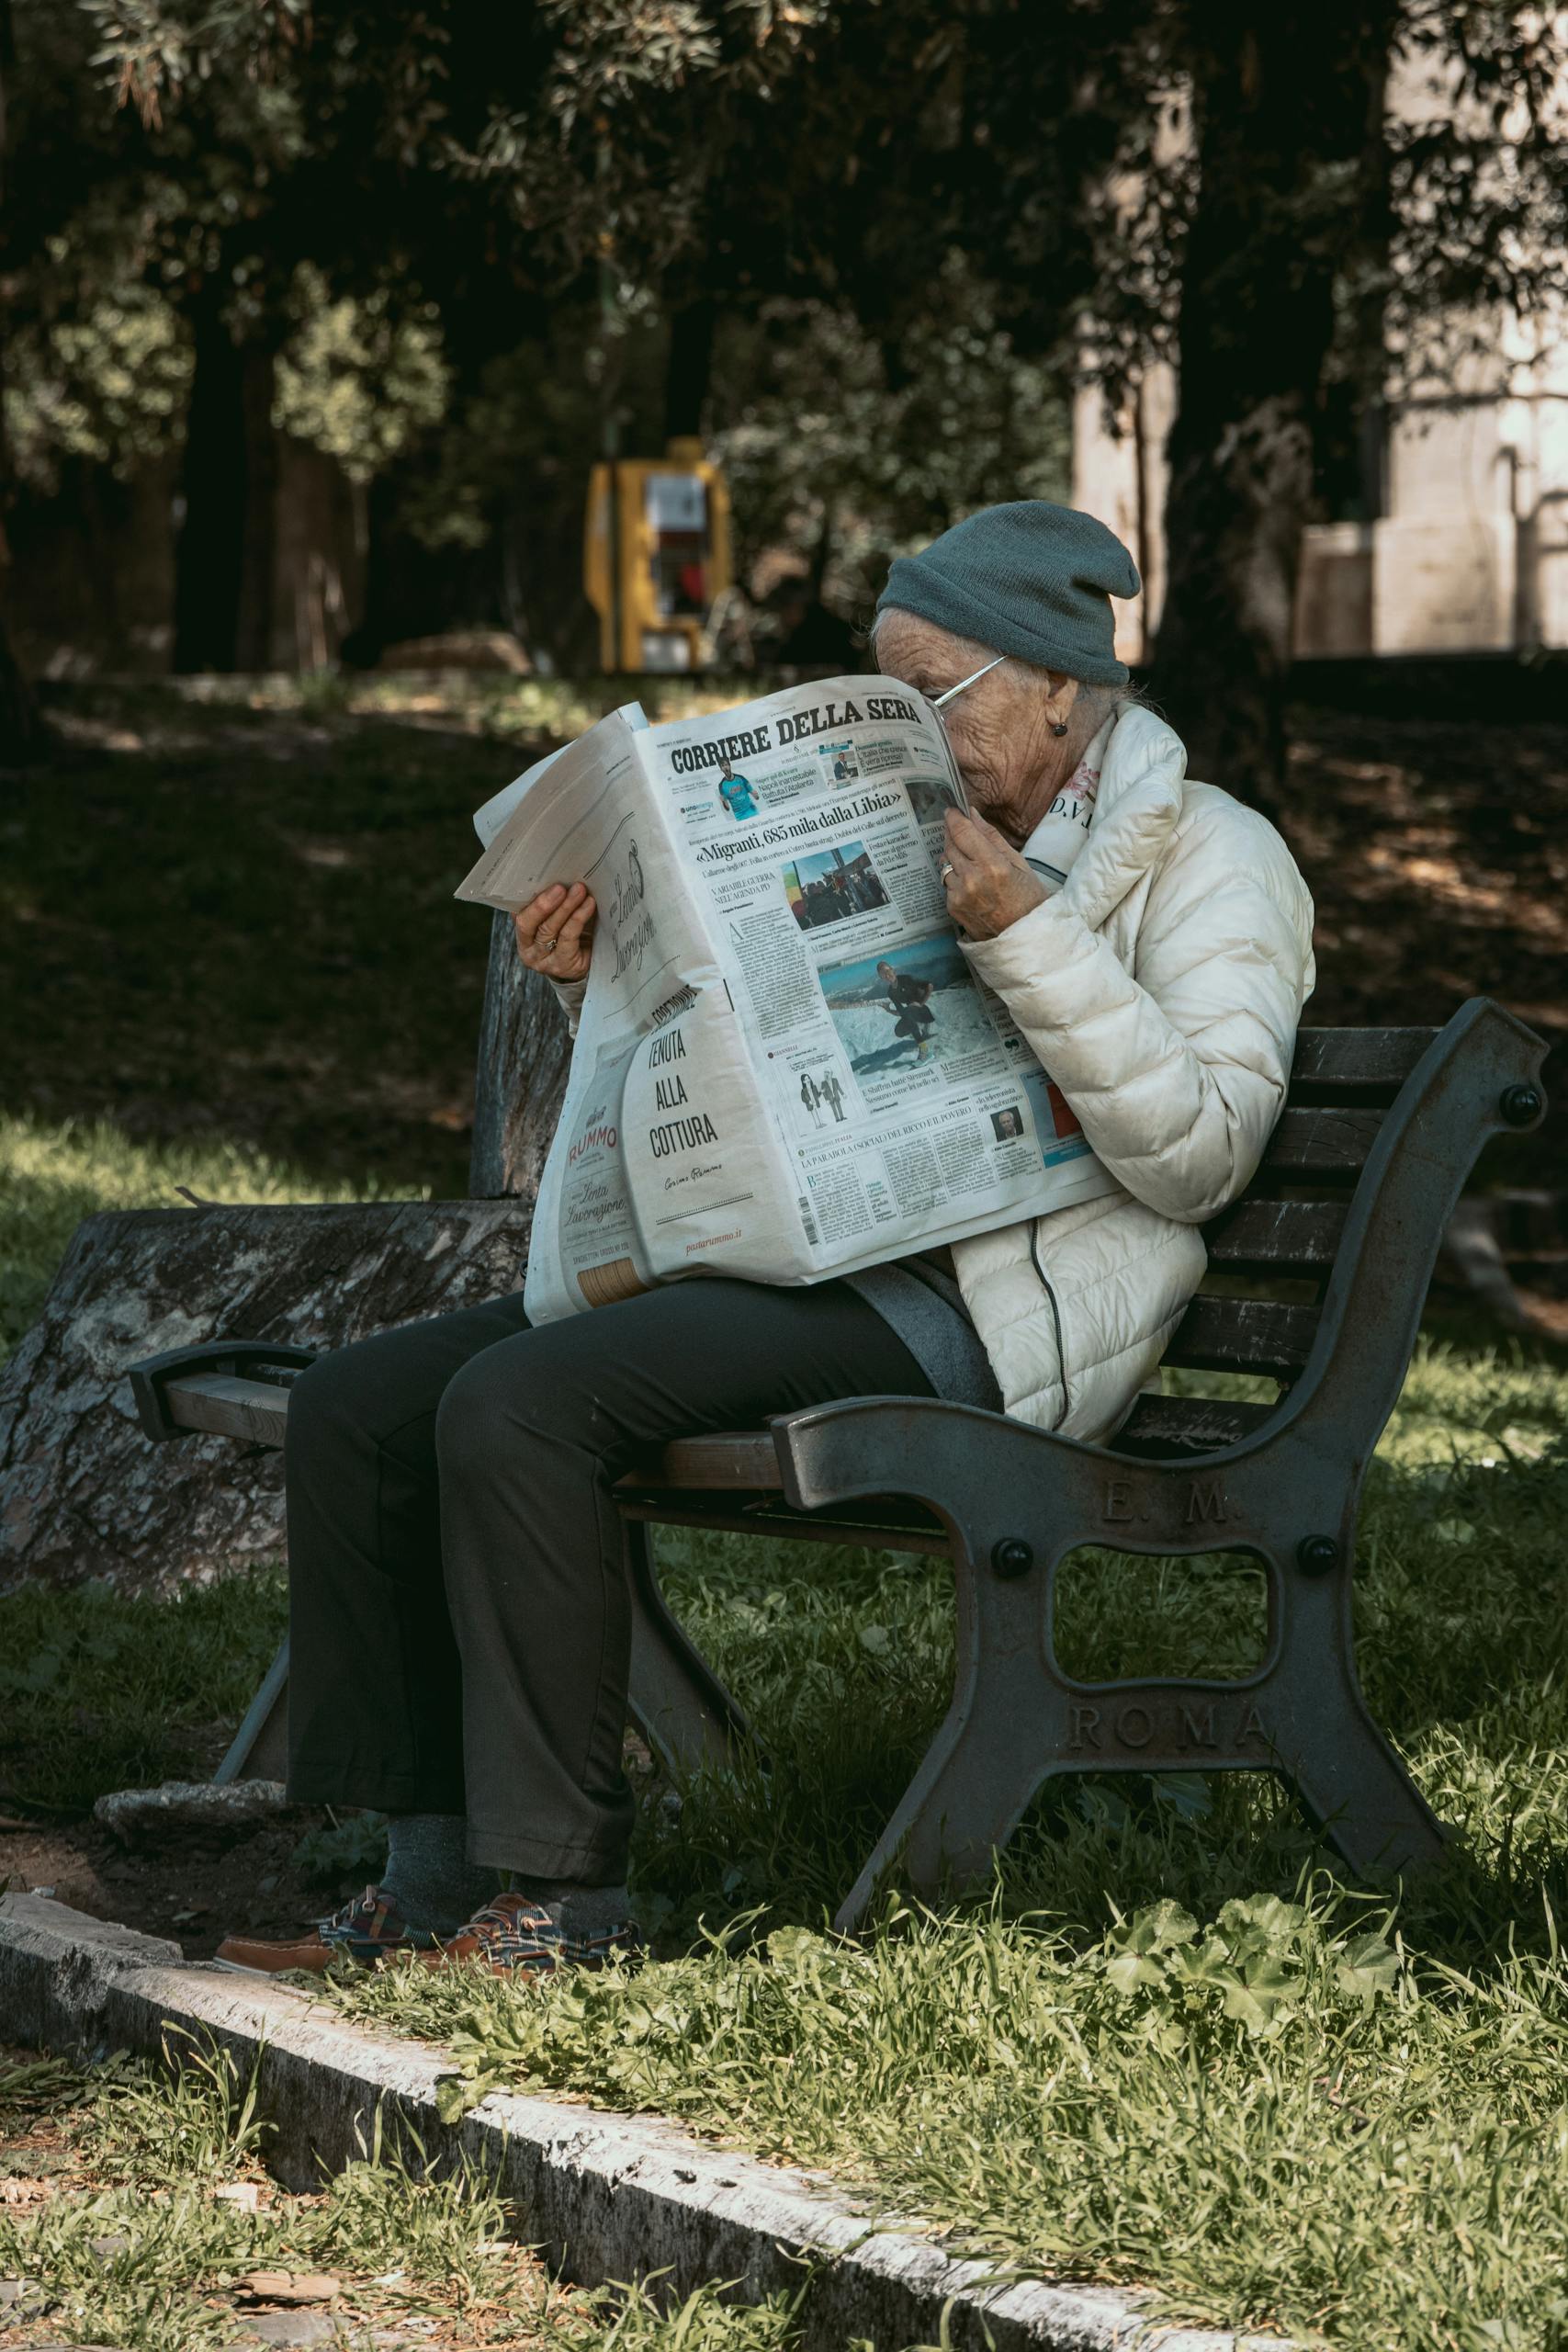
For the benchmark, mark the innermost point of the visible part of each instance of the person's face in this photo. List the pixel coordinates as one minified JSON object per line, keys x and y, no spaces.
{"x":1000,"y":730}
{"x":886,"y":972}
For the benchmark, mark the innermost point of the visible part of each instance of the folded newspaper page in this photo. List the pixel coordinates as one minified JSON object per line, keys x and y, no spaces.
{"x":783,"y":1067}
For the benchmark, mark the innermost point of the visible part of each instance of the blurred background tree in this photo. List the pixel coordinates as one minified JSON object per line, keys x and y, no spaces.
{"x":319,"y":314}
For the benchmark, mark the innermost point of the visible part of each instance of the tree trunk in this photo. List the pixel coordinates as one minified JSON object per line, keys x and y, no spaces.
{"x":23,"y":735}
{"x":688,"y":368}
{"x":253,"y":647}
{"x":523,"y":1054}
{"x":1281,"y":121}
{"x":83,"y":1492}
{"x":224,"y":561}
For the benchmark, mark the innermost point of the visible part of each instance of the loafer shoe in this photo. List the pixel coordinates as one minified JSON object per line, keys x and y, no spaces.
{"x":367,"y":1930}
{"x":512,"y":1936}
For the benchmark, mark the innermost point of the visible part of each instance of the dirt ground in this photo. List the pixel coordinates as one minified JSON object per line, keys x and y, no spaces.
{"x":196,"y":1887}
{"x":190,"y":1889}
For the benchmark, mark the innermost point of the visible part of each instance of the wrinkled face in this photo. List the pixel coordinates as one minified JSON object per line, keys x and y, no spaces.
{"x":999,"y":729}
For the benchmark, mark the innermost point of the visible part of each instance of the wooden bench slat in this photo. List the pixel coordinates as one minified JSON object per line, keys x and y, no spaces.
{"x":727,"y":1460}
{"x":224,"y":1407}
{"x":1244,"y":1335}
{"x":1321,"y":1141}
{"x":892,"y":1522}
{"x":1266,"y":1236}
{"x":1358,"y":1057}
{"x":1166,"y":1425}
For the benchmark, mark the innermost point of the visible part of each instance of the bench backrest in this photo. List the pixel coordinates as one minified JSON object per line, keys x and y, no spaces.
{"x":1270,"y":1253}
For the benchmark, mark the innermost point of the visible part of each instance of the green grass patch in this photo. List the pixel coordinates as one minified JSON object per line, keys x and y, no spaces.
{"x":231,"y":913}
{"x":99,"y":1691}
{"x":1171,"y":2048}
{"x":52,"y":1176}
{"x":154,"y":2209}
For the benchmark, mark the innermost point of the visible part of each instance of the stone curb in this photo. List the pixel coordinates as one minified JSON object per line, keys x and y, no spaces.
{"x":606,"y":2196}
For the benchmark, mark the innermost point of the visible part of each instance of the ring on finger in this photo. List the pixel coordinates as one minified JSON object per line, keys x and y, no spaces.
{"x":549,"y":946}
{"x":946,"y":869}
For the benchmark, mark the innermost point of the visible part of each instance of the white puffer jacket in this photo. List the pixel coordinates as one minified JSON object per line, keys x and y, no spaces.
{"x":1161,"y":989}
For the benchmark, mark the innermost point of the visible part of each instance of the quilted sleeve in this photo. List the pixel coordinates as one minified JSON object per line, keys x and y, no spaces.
{"x":1176,"y":1068}
{"x":569,"y":996}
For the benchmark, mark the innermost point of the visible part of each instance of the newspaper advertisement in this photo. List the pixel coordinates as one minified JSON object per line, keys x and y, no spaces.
{"x":784,"y":1068}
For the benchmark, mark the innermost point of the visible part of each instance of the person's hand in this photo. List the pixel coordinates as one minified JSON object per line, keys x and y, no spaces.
{"x":988,"y":885}
{"x":554,"y":932}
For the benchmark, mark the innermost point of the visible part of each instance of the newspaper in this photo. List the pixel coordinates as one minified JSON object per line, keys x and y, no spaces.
{"x":783,"y":1067}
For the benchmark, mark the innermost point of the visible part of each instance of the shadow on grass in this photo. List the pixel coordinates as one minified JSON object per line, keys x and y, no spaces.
{"x":844,"y":1661}
{"x":256,"y":941}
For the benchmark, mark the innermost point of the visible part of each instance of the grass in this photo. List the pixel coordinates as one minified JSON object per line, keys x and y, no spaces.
{"x":54,"y":1174}
{"x":229,"y":914}
{"x":1171,"y":2048}
{"x":99,"y":1690}
{"x":137,"y":2206}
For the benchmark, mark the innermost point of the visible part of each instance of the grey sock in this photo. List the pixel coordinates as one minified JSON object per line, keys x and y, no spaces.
{"x":429,"y":1879}
{"x":576,"y":1910}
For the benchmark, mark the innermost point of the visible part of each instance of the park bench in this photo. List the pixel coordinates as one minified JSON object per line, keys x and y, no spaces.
{"x":1318,"y":1278}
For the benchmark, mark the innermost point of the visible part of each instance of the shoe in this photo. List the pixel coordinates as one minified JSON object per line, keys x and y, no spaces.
{"x":512,"y":1936}
{"x":368,"y":1929}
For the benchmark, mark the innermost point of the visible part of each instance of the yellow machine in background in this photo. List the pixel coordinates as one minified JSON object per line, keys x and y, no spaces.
{"x":656,"y":556}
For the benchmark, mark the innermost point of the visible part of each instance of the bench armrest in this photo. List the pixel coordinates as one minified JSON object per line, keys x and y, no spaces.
{"x":214,"y":1360}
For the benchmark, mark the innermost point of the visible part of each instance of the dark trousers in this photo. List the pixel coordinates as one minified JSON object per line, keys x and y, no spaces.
{"x":458,"y":1616}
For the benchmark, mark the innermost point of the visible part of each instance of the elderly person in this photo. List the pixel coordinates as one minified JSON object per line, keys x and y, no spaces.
{"x":459,"y":1609}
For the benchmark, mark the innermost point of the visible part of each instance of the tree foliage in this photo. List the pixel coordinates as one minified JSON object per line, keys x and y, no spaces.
{"x":455,"y":241}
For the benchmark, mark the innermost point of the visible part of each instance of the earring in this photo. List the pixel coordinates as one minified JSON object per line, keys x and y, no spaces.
{"x":1058,"y":726}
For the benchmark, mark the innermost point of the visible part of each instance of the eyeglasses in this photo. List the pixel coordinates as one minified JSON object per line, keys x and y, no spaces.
{"x":939,"y":702}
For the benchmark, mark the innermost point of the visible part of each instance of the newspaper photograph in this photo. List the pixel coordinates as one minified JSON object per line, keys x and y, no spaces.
{"x":784,"y":1067}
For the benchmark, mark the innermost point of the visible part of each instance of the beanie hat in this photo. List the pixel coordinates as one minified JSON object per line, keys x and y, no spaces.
{"x":1027,"y":578}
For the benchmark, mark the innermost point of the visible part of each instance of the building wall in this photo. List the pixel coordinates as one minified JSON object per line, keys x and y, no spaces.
{"x":1471,"y":553}
{"x":1471,"y":557}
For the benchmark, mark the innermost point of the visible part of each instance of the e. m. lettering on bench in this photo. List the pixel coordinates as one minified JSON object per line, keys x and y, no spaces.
{"x":1205,"y":1503}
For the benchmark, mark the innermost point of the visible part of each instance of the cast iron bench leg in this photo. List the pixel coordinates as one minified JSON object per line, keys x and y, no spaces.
{"x":1355,"y":1790}
{"x":986,"y":1761}
{"x":679,"y":1704}
{"x":1016,"y":1502}
{"x":1345,"y":1774}
{"x":259,"y":1750}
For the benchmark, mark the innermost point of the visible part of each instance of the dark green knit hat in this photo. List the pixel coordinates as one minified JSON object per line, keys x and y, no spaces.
{"x":1027,"y":578}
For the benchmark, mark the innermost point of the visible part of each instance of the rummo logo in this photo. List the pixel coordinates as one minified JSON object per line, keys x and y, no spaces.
{"x":605,"y":1134}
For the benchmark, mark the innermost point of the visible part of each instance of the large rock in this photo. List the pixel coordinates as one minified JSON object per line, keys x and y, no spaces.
{"x":83,"y":1492}
{"x":207,"y":1812}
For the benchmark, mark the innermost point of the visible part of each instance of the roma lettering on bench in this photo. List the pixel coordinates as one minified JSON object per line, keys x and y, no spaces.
{"x":1133,"y":1727}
